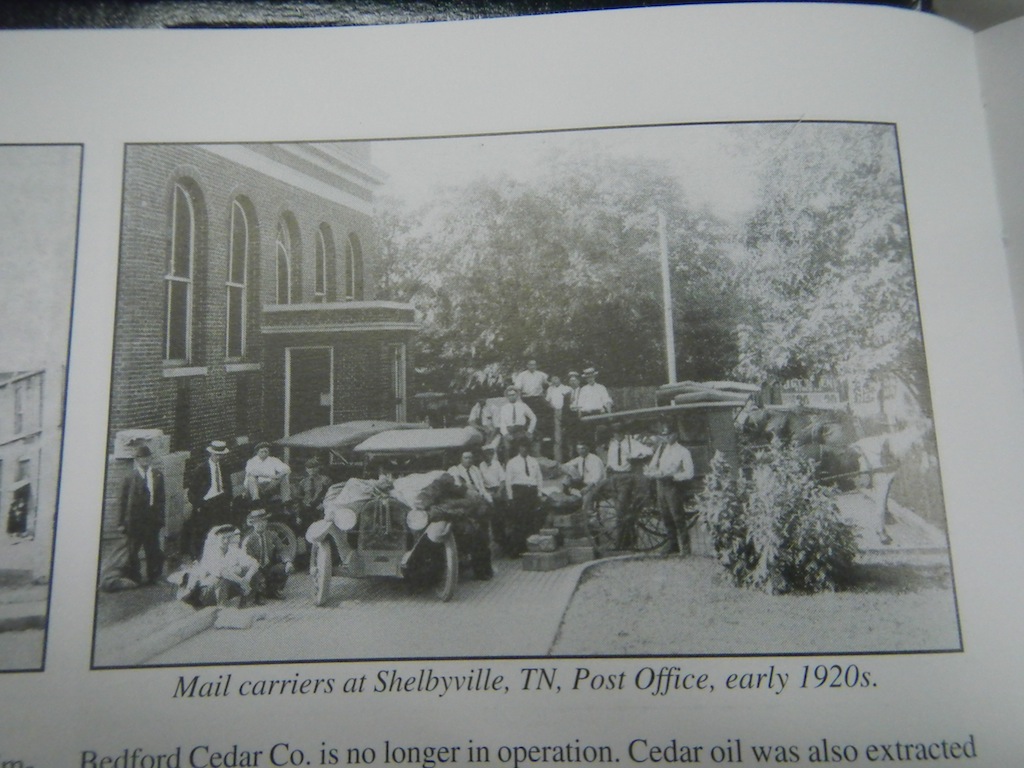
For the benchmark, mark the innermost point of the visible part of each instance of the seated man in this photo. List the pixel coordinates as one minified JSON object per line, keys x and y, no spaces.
{"x":266,"y":476}
{"x":223,"y":572}
{"x":266,"y":548}
{"x":312,"y":489}
{"x":585,"y":474}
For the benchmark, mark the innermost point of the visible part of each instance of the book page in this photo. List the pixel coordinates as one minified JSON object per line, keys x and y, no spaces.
{"x":998,"y":53}
{"x":325,"y":275}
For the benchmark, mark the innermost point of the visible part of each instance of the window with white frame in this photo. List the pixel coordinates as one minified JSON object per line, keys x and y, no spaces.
{"x":179,"y":278}
{"x":320,"y":267}
{"x":353,"y":269}
{"x":237,"y":279}
{"x":284,"y":263}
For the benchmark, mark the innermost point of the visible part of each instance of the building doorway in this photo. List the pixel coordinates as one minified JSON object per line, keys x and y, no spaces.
{"x":309,"y":388}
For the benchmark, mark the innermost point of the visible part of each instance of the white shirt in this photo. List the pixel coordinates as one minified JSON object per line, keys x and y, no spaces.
{"x":232,"y":565}
{"x":556,"y":395}
{"x":147,"y":476}
{"x":471,"y":478}
{"x":482,"y":415}
{"x":671,"y":460}
{"x":530,"y":383}
{"x":593,"y":397}
{"x":521,"y":471}
{"x":261,"y":472}
{"x":216,"y":481}
{"x":588,"y":468}
{"x":493,"y":473}
{"x":622,"y":452}
{"x":516,"y":414}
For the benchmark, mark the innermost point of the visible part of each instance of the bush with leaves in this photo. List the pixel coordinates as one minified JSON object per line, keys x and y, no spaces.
{"x":776,"y":529}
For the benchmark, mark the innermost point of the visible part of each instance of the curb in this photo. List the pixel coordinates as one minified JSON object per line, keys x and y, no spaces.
{"x":137,"y":651}
{"x":16,"y":617}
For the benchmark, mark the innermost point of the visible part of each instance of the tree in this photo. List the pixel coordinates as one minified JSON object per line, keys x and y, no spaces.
{"x":562,"y":268}
{"x":828,"y":278}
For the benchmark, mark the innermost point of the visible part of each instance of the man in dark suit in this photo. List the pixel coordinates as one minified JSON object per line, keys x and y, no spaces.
{"x":209,"y":493}
{"x":141,"y":516}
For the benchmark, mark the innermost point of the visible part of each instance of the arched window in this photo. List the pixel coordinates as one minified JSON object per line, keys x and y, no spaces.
{"x":320,"y":268}
{"x":284,"y":293}
{"x":353,"y":269}
{"x":180,"y":277}
{"x":239,"y":258}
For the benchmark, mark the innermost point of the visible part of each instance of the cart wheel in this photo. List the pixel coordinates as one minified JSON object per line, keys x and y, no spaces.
{"x":604,"y":524}
{"x":321,"y":569}
{"x":450,"y":570}
{"x":288,"y":540}
{"x":650,"y":532}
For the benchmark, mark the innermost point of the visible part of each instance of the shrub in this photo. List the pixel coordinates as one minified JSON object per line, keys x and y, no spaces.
{"x":776,"y":529}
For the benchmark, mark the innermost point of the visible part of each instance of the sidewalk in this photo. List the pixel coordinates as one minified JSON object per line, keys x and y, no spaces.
{"x":22,"y":603}
{"x":516,"y":614}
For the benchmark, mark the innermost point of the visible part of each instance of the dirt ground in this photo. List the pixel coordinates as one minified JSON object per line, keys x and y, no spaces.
{"x":673,"y":606}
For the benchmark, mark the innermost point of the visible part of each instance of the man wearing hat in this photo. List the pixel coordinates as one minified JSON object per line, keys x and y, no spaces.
{"x":141,"y":516}
{"x":209,"y":493}
{"x":266,"y":548}
{"x":312,"y":489}
{"x":593,"y":397}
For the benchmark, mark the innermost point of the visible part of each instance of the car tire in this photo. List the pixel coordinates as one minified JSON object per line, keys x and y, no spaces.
{"x":321,"y":569}
{"x":449,"y":576}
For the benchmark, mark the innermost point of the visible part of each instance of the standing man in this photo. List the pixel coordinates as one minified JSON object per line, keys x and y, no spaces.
{"x":516,"y":420}
{"x":593,"y":399}
{"x":531,"y":384}
{"x":672,"y":464}
{"x":571,"y":427}
{"x":557,"y":399}
{"x":209,"y":493}
{"x":493,"y":473}
{"x":626,"y":455}
{"x":522,"y":485}
{"x":141,"y":516}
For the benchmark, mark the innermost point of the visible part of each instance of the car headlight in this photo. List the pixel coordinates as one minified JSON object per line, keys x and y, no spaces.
{"x":345,"y":518}
{"x":416,"y":519}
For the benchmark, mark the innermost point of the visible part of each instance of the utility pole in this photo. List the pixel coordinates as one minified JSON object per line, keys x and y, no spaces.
{"x":666,"y":299}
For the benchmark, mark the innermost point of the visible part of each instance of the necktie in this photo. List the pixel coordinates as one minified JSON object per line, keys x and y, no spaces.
{"x":526,"y":467}
{"x":149,"y":486}
{"x":618,"y":455}
{"x":217,"y":488}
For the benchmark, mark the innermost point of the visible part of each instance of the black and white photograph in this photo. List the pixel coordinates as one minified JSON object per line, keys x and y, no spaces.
{"x":636,"y":391}
{"x":38,"y":232}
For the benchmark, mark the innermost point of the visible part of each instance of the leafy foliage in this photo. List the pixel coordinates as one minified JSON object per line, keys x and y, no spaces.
{"x":828,"y":278}
{"x":777,"y":530}
{"x":563,"y":268}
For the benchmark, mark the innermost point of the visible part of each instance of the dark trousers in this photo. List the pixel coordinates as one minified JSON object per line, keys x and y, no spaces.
{"x":623,"y":487}
{"x":270,"y":580}
{"x":216,"y":511}
{"x":670,"y":502}
{"x":148,"y":540}
{"x":522,"y":520}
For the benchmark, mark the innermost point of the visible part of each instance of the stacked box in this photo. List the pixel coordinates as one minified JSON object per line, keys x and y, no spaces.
{"x":545,"y":561}
{"x":540,"y":542}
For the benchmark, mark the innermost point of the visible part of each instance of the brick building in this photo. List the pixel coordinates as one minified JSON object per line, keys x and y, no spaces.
{"x":245,"y":306}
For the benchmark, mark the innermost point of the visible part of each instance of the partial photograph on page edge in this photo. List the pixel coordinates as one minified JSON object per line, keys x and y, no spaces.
{"x":616,"y":392}
{"x":38,"y":238}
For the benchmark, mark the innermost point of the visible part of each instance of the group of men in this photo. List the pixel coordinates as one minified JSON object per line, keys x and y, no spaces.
{"x":541,"y":407}
{"x":256,"y":566}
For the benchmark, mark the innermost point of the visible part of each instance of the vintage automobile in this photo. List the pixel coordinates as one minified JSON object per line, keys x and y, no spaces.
{"x":372,"y":529}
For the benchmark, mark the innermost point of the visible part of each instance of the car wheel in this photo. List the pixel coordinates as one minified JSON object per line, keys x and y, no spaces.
{"x":449,"y":576}
{"x":287,"y":538}
{"x":321,"y":570}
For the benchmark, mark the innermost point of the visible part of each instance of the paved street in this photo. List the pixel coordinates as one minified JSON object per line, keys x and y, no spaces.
{"x":517,"y":613}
